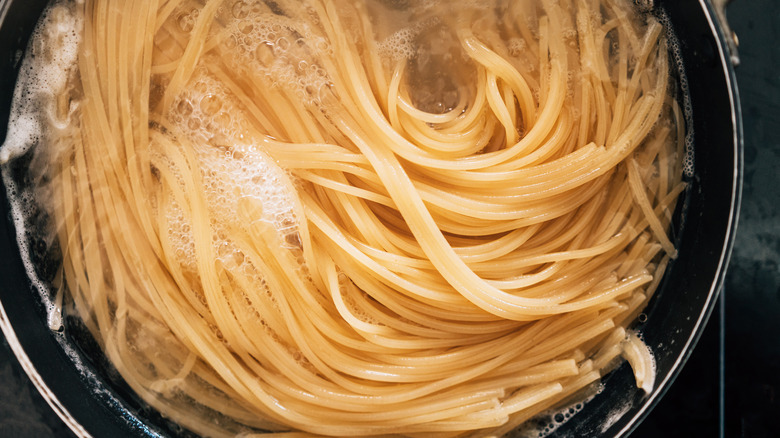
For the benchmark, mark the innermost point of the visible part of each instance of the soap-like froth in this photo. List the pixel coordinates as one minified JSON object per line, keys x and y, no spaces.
{"x":281,"y":50}
{"x":233,"y":172}
{"x":400,"y":45}
{"x":44,"y":74}
{"x":36,"y":115}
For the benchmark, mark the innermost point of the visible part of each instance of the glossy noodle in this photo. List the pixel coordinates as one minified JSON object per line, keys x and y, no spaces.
{"x":361,"y":218}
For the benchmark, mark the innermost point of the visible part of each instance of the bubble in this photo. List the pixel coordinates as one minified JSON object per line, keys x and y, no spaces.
{"x":246,"y":27}
{"x":322,"y":45}
{"x":185,"y":22}
{"x":283,"y":44}
{"x":222,"y":118}
{"x":265,"y":54}
{"x":516,"y":46}
{"x":231,"y":42}
{"x":645,"y":6}
{"x":193,"y":124}
{"x":210,"y":104}
{"x":240,"y":9}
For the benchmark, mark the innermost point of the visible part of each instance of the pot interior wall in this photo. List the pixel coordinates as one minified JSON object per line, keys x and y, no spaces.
{"x":679,"y":311}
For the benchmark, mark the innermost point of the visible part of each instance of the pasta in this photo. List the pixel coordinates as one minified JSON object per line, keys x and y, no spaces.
{"x":363,"y":218}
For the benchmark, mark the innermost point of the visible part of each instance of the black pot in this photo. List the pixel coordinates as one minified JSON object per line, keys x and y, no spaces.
{"x":84,"y":392}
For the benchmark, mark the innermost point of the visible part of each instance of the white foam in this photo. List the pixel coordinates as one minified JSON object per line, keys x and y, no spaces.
{"x":548,"y":422}
{"x":48,"y":63}
{"x":282,"y":50}
{"x":400,"y":45}
{"x":684,"y":94}
{"x":50,"y":59}
{"x":234,"y":171}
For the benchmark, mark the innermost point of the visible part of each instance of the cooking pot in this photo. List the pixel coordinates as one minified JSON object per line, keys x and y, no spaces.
{"x":74,"y":378}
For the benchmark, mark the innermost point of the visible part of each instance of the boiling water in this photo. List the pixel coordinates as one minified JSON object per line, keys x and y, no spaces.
{"x":37,"y":115}
{"x":207,"y":113}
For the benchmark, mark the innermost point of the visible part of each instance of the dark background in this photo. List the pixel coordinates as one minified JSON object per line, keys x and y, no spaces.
{"x":730,"y":386}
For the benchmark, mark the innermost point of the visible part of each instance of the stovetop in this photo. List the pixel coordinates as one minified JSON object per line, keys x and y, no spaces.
{"x":730,"y":386}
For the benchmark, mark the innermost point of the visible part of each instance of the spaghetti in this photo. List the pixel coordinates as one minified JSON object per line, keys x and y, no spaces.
{"x":364,"y":218}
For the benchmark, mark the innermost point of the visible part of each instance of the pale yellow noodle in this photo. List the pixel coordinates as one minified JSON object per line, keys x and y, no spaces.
{"x":428,"y":274}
